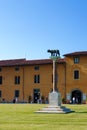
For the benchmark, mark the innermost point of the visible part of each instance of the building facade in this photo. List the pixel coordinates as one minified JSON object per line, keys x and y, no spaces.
{"x":29,"y":80}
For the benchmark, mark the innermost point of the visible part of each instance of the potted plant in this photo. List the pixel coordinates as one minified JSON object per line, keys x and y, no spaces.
{"x":63,"y":100}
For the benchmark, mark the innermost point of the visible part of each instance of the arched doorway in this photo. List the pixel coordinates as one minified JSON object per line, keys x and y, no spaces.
{"x":77,"y":94}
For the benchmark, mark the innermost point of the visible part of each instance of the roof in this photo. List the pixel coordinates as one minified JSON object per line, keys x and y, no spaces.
{"x":76,"y":53}
{"x":23,"y":62}
{"x":12,"y":62}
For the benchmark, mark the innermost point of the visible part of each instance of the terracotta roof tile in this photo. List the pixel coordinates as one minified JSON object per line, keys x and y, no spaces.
{"x":21,"y":62}
{"x":43,"y":61}
{"x":76,"y":53}
{"x":12,"y":62}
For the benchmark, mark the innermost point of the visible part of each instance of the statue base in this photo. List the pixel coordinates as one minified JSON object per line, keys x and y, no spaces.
{"x":54,"y":105}
{"x":55,"y":98}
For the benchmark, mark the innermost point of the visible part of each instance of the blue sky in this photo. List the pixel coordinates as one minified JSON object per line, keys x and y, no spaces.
{"x":28,"y":28}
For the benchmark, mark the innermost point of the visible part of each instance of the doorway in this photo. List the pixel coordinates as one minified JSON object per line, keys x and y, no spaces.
{"x":77,"y":94}
{"x":36,"y":93}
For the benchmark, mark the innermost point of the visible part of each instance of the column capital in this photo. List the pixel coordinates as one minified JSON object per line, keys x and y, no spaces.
{"x":54,"y":58}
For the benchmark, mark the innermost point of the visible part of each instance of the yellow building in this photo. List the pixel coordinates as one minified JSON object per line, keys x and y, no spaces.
{"x":26,"y":80}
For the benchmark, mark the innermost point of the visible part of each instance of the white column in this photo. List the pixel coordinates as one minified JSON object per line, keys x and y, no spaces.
{"x":54,"y":75}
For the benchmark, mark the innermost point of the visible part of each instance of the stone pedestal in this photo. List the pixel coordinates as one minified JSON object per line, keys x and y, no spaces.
{"x":54,"y":105}
{"x":54,"y":99}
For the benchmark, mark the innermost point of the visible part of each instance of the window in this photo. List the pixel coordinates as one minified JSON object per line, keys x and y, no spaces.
{"x":17,"y":79}
{"x":36,"y":67}
{"x":17,"y":69}
{"x":0,"y":79}
{"x":76,"y":74}
{"x":0,"y":69}
{"x":37,"y":79}
{"x":17,"y":93}
{"x":0,"y":93}
{"x":76,"y":60}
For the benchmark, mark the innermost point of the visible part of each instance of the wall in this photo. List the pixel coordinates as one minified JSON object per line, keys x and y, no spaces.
{"x":27,"y":84}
